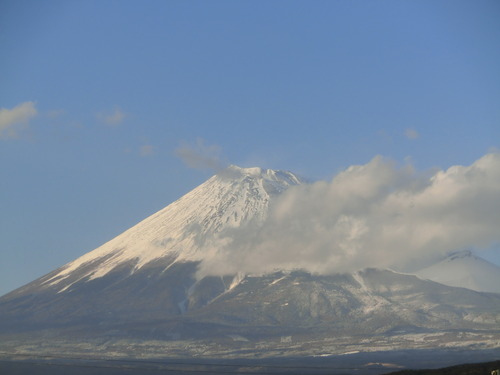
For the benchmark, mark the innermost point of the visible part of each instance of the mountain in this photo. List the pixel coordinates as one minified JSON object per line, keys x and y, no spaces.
{"x":140,"y":294}
{"x":466,"y":270}
{"x":156,"y":260}
{"x":179,"y":232}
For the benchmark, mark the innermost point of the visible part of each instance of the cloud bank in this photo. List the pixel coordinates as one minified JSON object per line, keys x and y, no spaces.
{"x":372,"y":215}
{"x":15,"y":119}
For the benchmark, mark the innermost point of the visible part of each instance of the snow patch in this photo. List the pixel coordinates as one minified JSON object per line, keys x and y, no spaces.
{"x":240,"y":276}
{"x":278,"y":280}
{"x":238,"y":338}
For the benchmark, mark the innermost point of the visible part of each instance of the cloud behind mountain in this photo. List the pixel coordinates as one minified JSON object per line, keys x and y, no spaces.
{"x":372,"y":215}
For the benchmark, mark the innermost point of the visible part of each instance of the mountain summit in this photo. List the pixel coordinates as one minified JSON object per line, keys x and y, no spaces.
{"x":234,"y":197}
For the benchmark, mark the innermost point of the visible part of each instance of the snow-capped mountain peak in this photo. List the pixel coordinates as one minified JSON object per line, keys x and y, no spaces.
{"x":466,"y":270}
{"x":229,"y":199}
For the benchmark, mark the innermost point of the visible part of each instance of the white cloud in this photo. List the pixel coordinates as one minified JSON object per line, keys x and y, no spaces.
{"x":201,"y":155}
{"x":15,"y":119}
{"x":372,"y":215}
{"x":411,"y":133}
{"x":115,"y":117}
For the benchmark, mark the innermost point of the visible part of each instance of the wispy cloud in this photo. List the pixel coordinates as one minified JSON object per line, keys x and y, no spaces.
{"x":113,"y":118}
{"x":372,"y":215}
{"x":55,"y":113}
{"x":201,"y":156}
{"x":147,"y":150}
{"x":12,"y":121}
{"x":411,"y":133}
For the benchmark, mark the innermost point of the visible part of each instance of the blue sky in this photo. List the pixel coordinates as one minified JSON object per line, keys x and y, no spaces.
{"x":97,"y":96}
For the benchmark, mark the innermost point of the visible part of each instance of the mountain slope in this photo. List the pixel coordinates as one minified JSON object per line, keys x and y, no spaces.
{"x":171,"y":314}
{"x":369,"y":301}
{"x":154,"y":263}
{"x":179,"y":232}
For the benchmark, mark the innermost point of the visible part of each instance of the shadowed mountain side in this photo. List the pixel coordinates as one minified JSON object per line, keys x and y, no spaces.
{"x":368,"y":302}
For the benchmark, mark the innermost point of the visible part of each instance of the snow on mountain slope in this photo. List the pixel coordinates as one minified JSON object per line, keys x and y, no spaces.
{"x":464,"y":269}
{"x":178,"y":232}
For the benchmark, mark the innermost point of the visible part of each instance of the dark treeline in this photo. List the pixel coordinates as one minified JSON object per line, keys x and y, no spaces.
{"x":465,"y":369}
{"x":103,"y":368}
